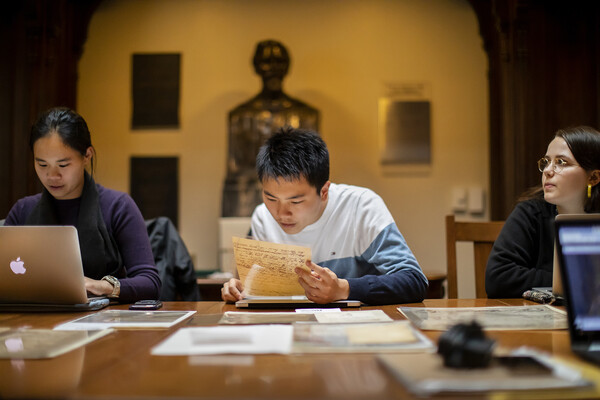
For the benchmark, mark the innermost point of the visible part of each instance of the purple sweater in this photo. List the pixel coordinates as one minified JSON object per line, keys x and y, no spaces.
{"x":125,"y":223}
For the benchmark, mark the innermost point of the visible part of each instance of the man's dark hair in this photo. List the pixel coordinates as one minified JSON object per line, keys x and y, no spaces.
{"x":292,"y":154}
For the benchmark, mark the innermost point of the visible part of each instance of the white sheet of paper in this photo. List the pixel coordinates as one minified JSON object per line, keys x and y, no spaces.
{"x":253,"y":339}
{"x":353,"y":317}
{"x":317,"y":310}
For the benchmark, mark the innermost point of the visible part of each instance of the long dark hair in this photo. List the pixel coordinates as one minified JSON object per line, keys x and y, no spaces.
{"x":70,"y":126}
{"x":584,"y":143}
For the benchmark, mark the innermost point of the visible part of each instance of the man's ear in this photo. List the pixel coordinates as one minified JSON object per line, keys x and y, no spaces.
{"x":325,"y":191}
{"x":594,"y":177}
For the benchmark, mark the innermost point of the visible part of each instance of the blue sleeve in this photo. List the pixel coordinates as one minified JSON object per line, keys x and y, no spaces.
{"x":401,"y":281}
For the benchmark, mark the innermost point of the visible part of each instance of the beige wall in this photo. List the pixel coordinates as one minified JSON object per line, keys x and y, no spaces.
{"x":344,"y":53}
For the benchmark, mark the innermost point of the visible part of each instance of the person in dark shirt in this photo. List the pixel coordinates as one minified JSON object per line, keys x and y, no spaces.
{"x":522,"y":256}
{"x":115,"y":249}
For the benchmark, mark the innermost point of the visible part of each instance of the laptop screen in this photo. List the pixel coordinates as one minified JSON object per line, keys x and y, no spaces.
{"x":579,"y":249}
{"x":41,"y":265}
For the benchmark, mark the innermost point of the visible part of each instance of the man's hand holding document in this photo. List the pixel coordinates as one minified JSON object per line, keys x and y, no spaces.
{"x":267,"y":269}
{"x":276,"y":270}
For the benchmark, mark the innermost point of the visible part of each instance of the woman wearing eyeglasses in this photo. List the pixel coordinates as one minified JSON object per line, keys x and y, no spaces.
{"x":522,"y":256}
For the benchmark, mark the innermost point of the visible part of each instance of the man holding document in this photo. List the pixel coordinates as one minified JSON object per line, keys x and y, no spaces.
{"x":357,"y":251}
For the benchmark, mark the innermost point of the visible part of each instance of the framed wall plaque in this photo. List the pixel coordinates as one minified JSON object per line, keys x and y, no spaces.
{"x":155,"y":186}
{"x":404,"y":120}
{"x":406,"y":126}
{"x":155,"y":90}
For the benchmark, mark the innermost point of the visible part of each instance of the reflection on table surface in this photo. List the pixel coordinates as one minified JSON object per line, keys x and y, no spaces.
{"x":57,"y":376}
{"x":120,"y":364}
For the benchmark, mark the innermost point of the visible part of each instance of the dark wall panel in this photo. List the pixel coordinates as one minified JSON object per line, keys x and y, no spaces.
{"x":155,"y":186}
{"x":544,"y":72}
{"x":40,"y":42}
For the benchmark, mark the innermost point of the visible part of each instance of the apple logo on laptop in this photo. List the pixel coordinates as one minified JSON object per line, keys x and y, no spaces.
{"x":17,"y":266}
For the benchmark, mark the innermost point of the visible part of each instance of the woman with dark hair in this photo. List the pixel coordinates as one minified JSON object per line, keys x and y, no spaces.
{"x":115,"y":249}
{"x":522,"y":256}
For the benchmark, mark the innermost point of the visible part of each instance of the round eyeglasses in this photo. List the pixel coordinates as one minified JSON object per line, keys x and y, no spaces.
{"x":557,"y":165}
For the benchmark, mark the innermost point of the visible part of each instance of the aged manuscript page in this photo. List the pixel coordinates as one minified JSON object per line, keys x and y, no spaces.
{"x":267,"y":269}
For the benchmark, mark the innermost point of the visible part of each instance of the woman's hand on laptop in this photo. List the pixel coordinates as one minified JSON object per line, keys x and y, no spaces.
{"x":98,"y":288}
{"x":232,"y":290}
{"x":322,"y":285}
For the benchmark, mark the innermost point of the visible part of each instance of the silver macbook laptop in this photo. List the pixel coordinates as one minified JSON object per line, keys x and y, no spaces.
{"x":41,"y":269}
{"x":557,"y":288}
{"x":578,"y":248}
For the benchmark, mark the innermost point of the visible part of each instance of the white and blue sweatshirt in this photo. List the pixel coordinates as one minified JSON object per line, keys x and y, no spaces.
{"x":356,"y":238}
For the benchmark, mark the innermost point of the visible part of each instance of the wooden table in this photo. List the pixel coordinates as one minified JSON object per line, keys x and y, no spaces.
{"x":120,"y":364}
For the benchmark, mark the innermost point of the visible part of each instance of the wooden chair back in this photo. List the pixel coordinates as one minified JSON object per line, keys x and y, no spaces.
{"x":483,"y":235}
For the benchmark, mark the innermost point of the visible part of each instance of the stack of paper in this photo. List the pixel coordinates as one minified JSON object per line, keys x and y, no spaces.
{"x":359,"y":337}
{"x":525,"y":369}
{"x":497,"y":318}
